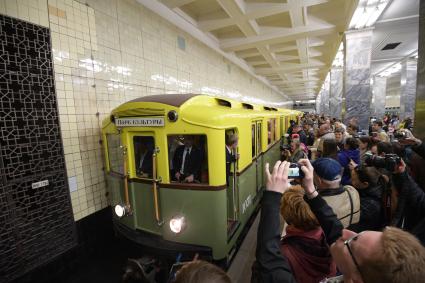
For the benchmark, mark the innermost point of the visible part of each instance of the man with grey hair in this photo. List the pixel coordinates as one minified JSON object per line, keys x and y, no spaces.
{"x":344,"y":200}
{"x":325,"y":133}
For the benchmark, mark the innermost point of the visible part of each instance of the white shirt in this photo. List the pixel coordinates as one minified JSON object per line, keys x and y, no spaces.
{"x":229,"y":150}
{"x":142,"y":158}
{"x":185,"y":152}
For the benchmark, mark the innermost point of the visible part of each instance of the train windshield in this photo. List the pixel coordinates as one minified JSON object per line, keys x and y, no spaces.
{"x":115,"y":154}
{"x":144,"y":147}
{"x":188,"y":158}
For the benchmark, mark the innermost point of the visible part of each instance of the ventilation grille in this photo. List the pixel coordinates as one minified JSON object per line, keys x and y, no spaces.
{"x":390,"y":46}
{"x":247,"y":106}
{"x":36,"y":222}
{"x":224,"y":103}
{"x":181,"y":43}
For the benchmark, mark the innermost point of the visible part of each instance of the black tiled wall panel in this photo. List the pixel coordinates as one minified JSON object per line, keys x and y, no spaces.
{"x":36,"y":225}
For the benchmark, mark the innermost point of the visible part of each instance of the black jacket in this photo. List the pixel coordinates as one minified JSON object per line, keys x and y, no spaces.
{"x":271,"y":265}
{"x":147,"y":163}
{"x":419,"y":149}
{"x":410,"y":210}
{"x":371,"y":210}
{"x":193,"y":163}
{"x":230,"y":158}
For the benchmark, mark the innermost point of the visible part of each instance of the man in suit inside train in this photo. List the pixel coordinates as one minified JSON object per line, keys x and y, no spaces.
{"x":187,"y":162}
{"x":231,"y":155}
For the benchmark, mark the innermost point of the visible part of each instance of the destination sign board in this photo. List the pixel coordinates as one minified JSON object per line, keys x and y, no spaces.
{"x":139,"y":122}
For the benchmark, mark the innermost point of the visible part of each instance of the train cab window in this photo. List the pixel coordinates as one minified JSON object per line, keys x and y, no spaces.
{"x":143,"y":150}
{"x":188,"y":158}
{"x":115,"y":154}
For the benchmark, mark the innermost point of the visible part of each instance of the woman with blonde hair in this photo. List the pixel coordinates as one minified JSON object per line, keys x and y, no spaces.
{"x":304,"y":244}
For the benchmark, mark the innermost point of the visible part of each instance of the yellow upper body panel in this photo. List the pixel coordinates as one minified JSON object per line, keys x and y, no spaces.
{"x":199,"y":114}
{"x":202,"y":110}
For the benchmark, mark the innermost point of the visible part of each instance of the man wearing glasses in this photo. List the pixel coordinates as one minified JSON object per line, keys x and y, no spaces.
{"x":389,"y":256}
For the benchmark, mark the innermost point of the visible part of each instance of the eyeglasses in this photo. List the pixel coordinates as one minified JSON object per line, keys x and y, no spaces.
{"x":347,"y":243}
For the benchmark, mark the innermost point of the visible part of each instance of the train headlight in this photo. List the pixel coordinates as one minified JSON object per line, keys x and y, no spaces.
{"x":177,"y":224}
{"x":120,"y":210}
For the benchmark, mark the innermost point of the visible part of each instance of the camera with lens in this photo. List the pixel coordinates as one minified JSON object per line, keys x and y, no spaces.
{"x":389,"y":161}
{"x":400,"y":135}
{"x":285,"y":147}
{"x":295,"y":171}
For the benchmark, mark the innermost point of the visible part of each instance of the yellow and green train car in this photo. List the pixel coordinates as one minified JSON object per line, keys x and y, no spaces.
{"x":206,"y":216}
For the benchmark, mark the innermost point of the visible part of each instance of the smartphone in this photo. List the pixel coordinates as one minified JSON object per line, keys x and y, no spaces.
{"x":295,"y":171}
{"x":174,"y":269}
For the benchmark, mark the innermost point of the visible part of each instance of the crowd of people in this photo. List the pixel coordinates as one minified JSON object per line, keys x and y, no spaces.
{"x":355,"y":214}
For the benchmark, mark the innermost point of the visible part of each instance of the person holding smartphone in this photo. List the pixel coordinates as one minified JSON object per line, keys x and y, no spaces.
{"x":392,"y":255}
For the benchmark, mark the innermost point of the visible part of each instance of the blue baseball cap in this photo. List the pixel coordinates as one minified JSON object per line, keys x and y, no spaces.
{"x":327,"y":168}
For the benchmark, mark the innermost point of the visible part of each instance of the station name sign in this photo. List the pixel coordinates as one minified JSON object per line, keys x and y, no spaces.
{"x":40,"y":184}
{"x":139,"y":122}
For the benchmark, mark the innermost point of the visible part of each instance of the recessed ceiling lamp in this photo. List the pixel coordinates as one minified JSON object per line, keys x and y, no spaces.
{"x":367,"y":12}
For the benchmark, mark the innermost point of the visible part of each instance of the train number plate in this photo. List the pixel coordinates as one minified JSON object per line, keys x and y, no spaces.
{"x":40,"y":184}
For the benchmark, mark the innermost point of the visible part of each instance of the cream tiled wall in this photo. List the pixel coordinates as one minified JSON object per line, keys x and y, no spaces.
{"x":107,"y":52}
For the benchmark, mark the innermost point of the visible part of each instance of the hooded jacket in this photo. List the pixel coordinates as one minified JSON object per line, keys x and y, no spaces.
{"x":344,"y":157}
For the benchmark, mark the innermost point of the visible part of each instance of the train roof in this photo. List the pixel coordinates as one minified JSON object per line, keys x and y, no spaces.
{"x":207,"y":110}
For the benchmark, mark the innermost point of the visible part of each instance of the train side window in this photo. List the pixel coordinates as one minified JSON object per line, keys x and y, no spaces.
{"x":143,"y":149}
{"x":259,"y":144}
{"x":276,"y":130}
{"x":188,"y":158}
{"x":115,"y":154}
{"x":271,"y":131}
{"x":253,"y":140}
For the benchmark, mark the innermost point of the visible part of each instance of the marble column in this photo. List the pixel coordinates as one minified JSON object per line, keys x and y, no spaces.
{"x":319,"y":103}
{"x":325,"y":96}
{"x":379,"y":91}
{"x":335,"y":92}
{"x":358,"y":50}
{"x":408,"y":88}
{"x":419,"y":129}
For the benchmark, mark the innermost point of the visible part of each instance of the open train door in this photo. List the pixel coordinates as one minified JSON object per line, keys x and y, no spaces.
{"x":233,"y":220}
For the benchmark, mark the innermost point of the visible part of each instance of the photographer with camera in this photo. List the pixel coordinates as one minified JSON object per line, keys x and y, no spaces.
{"x":406,"y":138}
{"x":370,"y":184}
{"x":410,"y":210}
{"x":389,"y":256}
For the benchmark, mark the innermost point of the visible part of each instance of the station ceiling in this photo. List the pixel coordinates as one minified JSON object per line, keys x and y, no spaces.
{"x":290,"y":43}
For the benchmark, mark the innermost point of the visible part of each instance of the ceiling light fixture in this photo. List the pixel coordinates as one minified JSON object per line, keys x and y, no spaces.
{"x":367,"y":12}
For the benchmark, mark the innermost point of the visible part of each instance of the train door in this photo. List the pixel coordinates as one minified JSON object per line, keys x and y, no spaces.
{"x":232,"y":181}
{"x":256,"y":128}
{"x":145,"y":189}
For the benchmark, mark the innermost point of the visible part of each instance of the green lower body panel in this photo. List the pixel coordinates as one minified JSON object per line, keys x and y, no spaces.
{"x":206,"y":212}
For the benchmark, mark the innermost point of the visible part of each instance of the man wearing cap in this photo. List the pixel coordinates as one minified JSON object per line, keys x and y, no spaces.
{"x":344,"y":200}
{"x":299,"y":130}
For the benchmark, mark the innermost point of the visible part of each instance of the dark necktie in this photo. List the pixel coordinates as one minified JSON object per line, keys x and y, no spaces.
{"x":186,"y":160}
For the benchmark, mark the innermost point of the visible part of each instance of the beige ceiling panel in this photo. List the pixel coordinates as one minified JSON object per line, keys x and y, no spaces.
{"x":290,"y":43}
